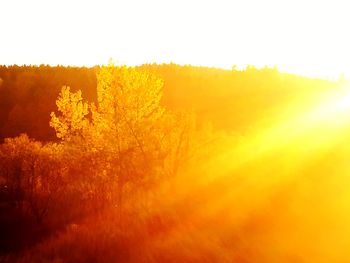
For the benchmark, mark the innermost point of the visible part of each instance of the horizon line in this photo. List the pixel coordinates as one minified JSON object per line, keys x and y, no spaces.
{"x":234,"y":67}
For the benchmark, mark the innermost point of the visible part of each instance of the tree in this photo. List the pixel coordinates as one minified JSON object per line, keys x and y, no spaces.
{"x":128,"y":106}
{"x":126,"y":123}
{"x":131,"y":139}
{"x":20,"y":157}
{"x":73,"y":122}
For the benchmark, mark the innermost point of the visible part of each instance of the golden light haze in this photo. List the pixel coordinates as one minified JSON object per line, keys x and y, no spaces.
{"x":304,"y":37}
{"x":170,"y":163}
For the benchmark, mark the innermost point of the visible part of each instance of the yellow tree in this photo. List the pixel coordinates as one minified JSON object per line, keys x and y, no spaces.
{"x":130,"y":133}
{"x":128,"y":106}
{"x":126,"y":121}
{"x":72,"y":122}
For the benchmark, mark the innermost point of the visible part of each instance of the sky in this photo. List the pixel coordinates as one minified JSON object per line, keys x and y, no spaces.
{"x":300,"y":36}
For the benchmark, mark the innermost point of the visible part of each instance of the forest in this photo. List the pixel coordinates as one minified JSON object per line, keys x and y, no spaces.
{"x":170,"y":163}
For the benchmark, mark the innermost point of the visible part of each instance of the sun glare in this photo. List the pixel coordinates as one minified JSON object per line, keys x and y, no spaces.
{"x":315,"y":126}
{"x":343,"y":103}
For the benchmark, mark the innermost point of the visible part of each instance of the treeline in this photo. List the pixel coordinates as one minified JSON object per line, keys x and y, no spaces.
{"x":229,"y":99}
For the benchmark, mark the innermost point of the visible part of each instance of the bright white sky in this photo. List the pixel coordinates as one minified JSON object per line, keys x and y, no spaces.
{"x":302,"y":36}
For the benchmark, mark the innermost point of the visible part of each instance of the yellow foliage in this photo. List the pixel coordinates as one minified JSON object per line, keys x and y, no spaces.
{"x":128,"y":106}
{"x":72,"y":121}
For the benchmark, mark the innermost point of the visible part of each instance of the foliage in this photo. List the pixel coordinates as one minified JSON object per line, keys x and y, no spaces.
{"x":72,"y":121}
